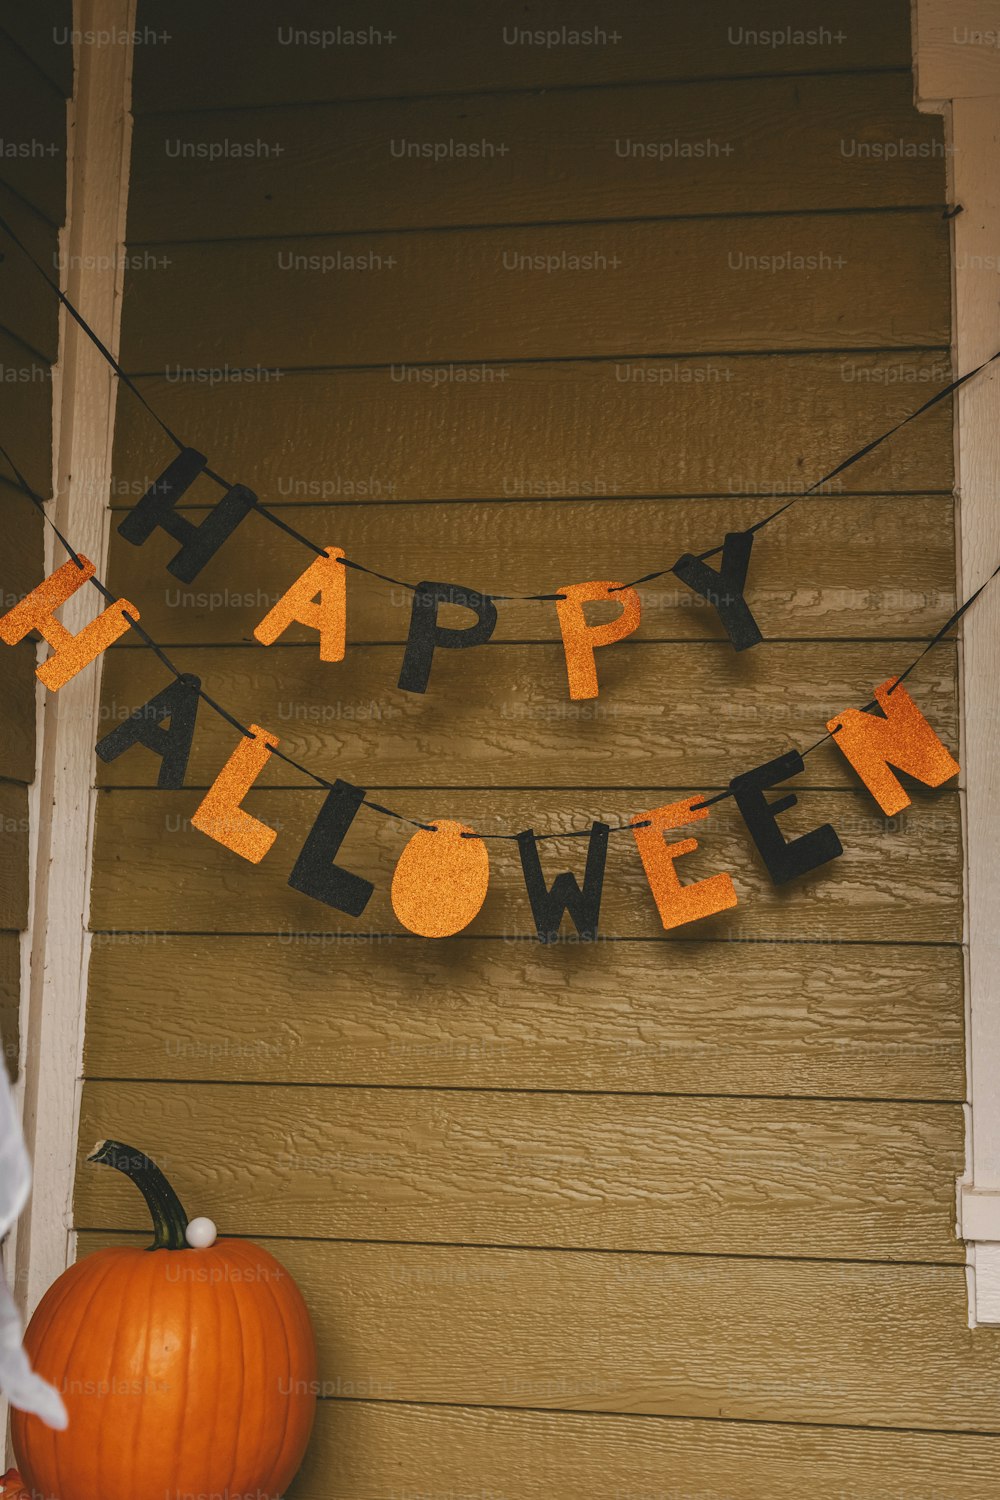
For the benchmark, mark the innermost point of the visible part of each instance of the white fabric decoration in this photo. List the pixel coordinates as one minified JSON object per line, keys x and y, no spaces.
{"x":18,"y":1381}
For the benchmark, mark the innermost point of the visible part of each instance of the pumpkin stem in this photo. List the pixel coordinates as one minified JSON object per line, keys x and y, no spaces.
{"x":169,"y":1219}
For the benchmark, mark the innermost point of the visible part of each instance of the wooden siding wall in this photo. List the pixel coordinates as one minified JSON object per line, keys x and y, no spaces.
{"x":35,"y":79}
{"x":657,"y":1216}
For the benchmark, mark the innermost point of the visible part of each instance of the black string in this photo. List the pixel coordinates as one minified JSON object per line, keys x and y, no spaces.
{"x":840,"y":468}
{"x":941,"y":395}
{"x":360,"y":567}
{"x":575,"y":833}
{"x":269,"y":515}
{"x":946,"y":627}
{"x":283,"y":524}
{"x":399,"y":817}
{"x":935,"y":639}
{"x":39,"y":503}
{"x":85,"y":326}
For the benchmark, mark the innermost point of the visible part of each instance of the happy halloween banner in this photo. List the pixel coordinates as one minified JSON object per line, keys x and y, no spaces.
{"x":442,"y":875}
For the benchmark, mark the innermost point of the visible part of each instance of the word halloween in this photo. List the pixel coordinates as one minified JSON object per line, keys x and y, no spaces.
{"x":441,"y":877}
{"x":318,"y":598}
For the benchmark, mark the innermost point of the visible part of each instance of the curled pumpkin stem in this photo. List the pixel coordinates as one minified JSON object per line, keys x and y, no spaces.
{"x":170,"y":1222}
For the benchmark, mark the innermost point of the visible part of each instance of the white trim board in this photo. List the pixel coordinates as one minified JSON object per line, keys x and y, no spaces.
{"x":956,"y":49}
{"x":958,"y":79}
{"x":84,"y":391}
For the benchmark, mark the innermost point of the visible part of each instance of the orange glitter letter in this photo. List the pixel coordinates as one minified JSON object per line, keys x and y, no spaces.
{"x":580,"y":639}
{"x":219,"y":813}
{"x":327,"y":578}
{"x":70,"y":653}
{"x":440,"y":880}
{"x":678,"y":903}
{"x":903,"y":739}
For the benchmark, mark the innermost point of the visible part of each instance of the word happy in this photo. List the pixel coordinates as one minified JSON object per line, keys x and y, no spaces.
{"x":318,"y":598}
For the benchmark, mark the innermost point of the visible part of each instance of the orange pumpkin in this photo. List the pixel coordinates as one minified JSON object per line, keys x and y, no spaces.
{"x":185,"y":1371}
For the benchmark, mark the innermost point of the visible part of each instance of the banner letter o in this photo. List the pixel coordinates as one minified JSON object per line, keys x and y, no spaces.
{"x":440,"y":881}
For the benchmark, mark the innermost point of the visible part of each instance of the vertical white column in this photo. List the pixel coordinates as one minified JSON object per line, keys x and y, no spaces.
{"x":976,"y":137}
{"x":84,"y":395}
{"x":960,"y":78}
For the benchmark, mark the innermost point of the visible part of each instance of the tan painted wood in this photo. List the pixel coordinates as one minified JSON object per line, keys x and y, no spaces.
{"x":955,"y":50}
{"x":14,"y":861}
{"x":206,"y":65}
{"x":748,"y":1338}
{"x":722,"y":147}
{"x":10,"y":999}
{"x":33,"y":131}
{"x":898,"y":880}
{"x":594,"y":1171}
{"x":504,"y":716}
{"x":26,"y":387}
{"x":844,"y":566}
{"x":819,"y":1020}
{"x":366,"y":1450}
{"x":537,"y":431}
{"x":28,"y":309}
{"x":568,"y":291}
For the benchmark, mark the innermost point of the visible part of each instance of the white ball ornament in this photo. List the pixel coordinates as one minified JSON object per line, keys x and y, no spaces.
{"x":201,"y":1234}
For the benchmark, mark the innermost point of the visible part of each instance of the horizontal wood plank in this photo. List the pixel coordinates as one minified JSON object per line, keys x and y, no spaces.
{"x":808,"y":1019}
{"x":590,"y":1171}
{"x":742,"y":1338}
{"x":307,"y":53}
{"x":696,"y":711}
{"x":14,"y":860}
{"x":10,"y":999}
{"x":21,"y":568}
{"x":537,"y":157}
{"x":23,"y":562}
{"x":26,"y":383}
{"x":33,"y":134}
{"x":725,"y":425}
{"x":17,"y":704}
{"x":43,"y":31}
{"x":898,"y":879}
{"x":28,"y":308}
{"x":841,"y":566}
{"x":571,"y":291}
{"x":367,"y":1450}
